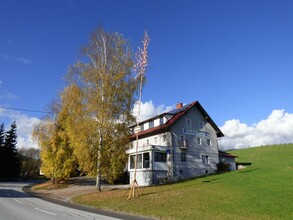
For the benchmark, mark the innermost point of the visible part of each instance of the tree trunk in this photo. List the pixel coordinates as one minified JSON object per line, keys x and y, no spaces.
{"x":99,"y":179}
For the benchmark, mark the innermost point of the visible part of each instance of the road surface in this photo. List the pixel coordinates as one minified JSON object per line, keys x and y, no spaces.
{"x":15,"y":204}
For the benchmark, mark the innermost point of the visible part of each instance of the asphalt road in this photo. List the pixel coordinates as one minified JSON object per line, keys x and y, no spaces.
{"x":15,"y":204}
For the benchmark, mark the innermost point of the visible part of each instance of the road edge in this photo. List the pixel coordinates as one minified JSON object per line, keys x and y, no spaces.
{"x":28,"y":189}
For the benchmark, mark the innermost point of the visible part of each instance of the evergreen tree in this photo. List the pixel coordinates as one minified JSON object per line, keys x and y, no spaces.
{"x":2,"y":153}
{"x":10,"y":150}
{"x":2,"y":135}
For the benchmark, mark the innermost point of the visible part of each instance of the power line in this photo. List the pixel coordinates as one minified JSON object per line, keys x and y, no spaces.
{"x":24,"y":110}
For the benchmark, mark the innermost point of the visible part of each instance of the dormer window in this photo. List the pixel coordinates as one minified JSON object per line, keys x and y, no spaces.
{"x":151,"y":124}
{"x":161,"y":120}
{"x":141,"y":127}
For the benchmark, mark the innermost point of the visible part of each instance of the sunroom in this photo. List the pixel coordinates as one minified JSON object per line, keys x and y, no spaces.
{"x":152,"y":164}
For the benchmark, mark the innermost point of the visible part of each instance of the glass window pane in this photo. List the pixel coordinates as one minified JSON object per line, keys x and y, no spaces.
{"x":160,"y":157}
{"x":132,"y":161}
{"x":139,"y":161}
{"x":146,"y":160}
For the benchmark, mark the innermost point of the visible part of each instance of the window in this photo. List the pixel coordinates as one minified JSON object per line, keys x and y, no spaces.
{"x":146,"y":160}
{"x":205,"y":159}
{"x":161,"y":120}
{"x":160,"y":157}
{"x":141,"y":127}
{"x":148,"y":142}
{"x":164,"y":137}
{"x":156,"y":140}
{"x":139,"y":161}
{"x":187,"y":122}
{"x":209,"y":142}
{"x":151,"y":124}
{"x":132,"y":161}
{"x":143,"y":161}
{"x":201,"y":125}
{"x":182,"y":142}
{"x":183,"y":156}
{"x":198,"y":141}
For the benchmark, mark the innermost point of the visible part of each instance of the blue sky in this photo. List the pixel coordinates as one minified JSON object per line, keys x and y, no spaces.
{"x":235,"y":57}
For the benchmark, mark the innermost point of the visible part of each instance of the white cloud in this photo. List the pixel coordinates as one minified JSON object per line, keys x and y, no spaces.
{"x":149,"y":110}
{"x":276,"y":128}
{"x":25,"y":125}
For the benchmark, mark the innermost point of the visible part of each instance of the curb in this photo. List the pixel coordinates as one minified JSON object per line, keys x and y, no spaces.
{"x":27,"y":189}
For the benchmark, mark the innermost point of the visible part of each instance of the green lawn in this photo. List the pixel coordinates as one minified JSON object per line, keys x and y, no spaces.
{"x":263,"y":190}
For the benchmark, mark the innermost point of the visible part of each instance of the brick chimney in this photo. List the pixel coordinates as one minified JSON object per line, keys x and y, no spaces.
{"x":179,"y":105}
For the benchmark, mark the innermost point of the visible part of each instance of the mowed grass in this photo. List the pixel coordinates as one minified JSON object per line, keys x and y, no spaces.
{"x":263,"y":190}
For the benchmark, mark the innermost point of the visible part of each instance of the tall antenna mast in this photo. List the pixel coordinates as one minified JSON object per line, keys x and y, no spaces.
{"x":140,"y":69}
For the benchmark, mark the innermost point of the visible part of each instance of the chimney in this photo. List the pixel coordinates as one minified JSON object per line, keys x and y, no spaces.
{"x":179,"y":105}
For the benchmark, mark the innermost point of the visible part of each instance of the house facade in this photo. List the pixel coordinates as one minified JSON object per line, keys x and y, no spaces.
{"x":178,"y":144}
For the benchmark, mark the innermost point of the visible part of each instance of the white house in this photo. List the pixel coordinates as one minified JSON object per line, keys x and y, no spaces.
{"x":175,"y":145}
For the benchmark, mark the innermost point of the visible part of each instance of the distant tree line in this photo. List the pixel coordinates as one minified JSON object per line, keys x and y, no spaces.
{"x":14,"y":163}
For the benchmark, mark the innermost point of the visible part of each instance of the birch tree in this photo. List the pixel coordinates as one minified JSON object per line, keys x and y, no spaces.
{"x":99,"y":97}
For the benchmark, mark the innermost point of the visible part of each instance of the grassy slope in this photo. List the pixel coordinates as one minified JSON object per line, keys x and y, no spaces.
{"x":261,"y":191}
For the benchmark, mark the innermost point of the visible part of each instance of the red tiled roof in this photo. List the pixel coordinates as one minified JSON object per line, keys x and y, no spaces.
{"x":177,"y":115}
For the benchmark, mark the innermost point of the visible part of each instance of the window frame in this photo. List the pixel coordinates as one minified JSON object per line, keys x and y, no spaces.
{"x":205,"y":159}
{"x":151,"y":124}
{"x":160,"y":159}
{"x":142,"y":163}
{"x":146,"y":163}
{"x":183,"y":156}
{"x":198,"y":142}
{"x":201,"y":124}
{"x":209,"y":142}
{"x":188,"y":122}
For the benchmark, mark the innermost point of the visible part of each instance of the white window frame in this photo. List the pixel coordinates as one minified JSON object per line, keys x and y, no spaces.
{"x":141,"y":165}
{"x":209,"y":142}
{"x":198,"y":141}
{"x":205,"y":159}
{"x":151,"y":124}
